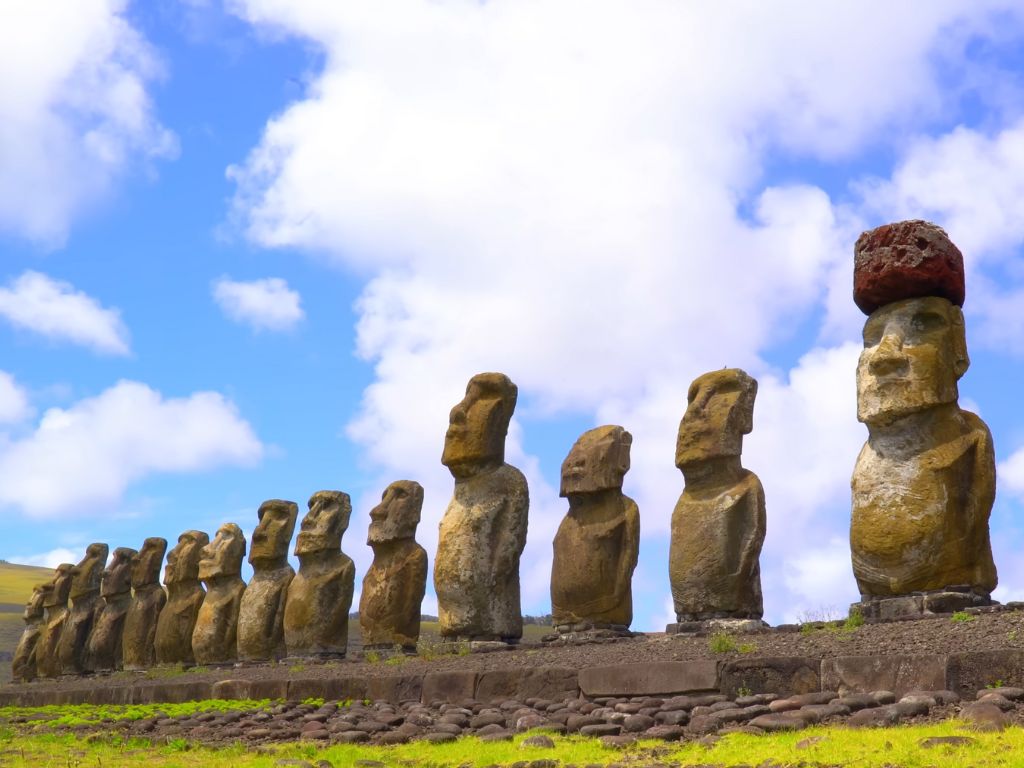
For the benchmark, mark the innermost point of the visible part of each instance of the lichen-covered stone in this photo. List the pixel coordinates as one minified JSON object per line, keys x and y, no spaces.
{"x":261,"y":615}
{"x":320,"y":596}
{"x":105,"y":643}
{"x":906,"y":260}
{"x":85,"y":606}
{"x":483,"y":531}
{"x":148,"y":599}
{"x":718,"y":525}
{"x":214,"y":639}
{"x":23,"y":666}
{"x":55,"y":601}
{"x":185,"y":595}
{"x":393,"y":588}
{"x":598,"y":541}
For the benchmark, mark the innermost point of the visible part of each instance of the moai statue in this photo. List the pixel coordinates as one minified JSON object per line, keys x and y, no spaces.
{"x":139,"y":641}
{"x":104,"y":653}
{"x":320,"y":595}
{"x":55,"y":601}
{"x":718,"y":525}
{"x":924,"y":482}
{"x":184,"y":597}
{"x":85,"y":606}
{"x":393,"y":588}
{"x":483,"y":531}
{"x":23,"y":667}
{"x":598,"y":541}
{"x":261,"y":616}
{"x":220,"y":567}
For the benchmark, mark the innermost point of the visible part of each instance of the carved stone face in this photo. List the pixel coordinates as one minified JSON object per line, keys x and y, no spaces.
{"x":598,"y":461}
{"x":34,"y":606}
{"x":146,"y":564}
{"x":914,"y":353}
{"x":325,"y":523}
{"x":183,"y":560}
{"x":719,"y":411}
{"x":89,"y":571}
{"x":272,"y":536}
{"x":117,"y":578}
{"x":398,"y":513}
{"x":223,"y":556}
{"x":477,"y":426}
{"x":60,"y":588}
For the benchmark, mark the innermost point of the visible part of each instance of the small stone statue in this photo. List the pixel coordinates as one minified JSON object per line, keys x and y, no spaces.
{"x":393,"y":588}
{"x":55,"y":601}
{"x":598,"y":542}
{"x":85,"y":606}
{"x":220,"y":567}
{"x":139,"y":639}
{"x":924,"y":482}
{"x":105,"y":649}
{"x":23,"y":667}
{"x":261,"y":616}
{"x":718,"y":525}
{"x":185,"y":595}
{"x":483,"y":531}
{"x":320,"y":595}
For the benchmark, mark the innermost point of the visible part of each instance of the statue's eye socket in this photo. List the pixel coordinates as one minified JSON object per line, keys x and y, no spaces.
{"x":925,"y":322}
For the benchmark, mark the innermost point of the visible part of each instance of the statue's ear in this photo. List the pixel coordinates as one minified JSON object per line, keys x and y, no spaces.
{"x":961,"y":360}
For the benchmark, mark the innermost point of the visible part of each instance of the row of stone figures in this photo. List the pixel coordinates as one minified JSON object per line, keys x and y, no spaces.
{"x":922,"y":492}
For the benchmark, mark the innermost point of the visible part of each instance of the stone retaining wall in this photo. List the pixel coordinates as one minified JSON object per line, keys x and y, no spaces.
{"x":963,"y":673}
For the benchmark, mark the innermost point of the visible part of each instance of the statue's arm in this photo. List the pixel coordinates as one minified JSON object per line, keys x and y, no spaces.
{"x":511,"y":526}
{"x":755,"y":519}
{"x":630,"y":549}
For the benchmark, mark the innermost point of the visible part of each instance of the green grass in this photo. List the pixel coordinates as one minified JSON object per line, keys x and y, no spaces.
{"x":962,"y":617}
{"x":869,"y":748}
{"x":16,"y":581}
{"x":80,"y":714}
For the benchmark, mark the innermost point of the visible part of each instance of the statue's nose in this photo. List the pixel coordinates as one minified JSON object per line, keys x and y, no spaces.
{"x":888,"y":357}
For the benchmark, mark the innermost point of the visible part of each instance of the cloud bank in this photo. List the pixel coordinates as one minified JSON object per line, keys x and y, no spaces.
{"x":267,"y":304}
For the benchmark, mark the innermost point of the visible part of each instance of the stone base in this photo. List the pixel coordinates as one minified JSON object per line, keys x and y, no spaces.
{"x":313,"y":658}
{"x":460,"y":645}
{"x":588,"y":632}
{"x":921,"y":604}
{"x":709,"y":626}
{"x":390,"y":651}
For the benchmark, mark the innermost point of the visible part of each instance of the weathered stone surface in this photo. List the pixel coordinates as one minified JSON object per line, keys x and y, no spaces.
{"x":453,"y":687}
{"x":718,"y":525}
{"x":396,"y":688}
{"x":261,"y":613}
{"x":483,"y":531}
{"x":185,"y":595}
{"x":555,"y":683}
{"x":394,"y":585}
{"x":598,"y":541}
{"x":320,"y":595}
{"x":104,"y":652}
{"x":900,"y":674}
{"x":784,"y":675}
{"x":148,"y":599}
{"x":55,"y":602}
{"x":906,"y":260}
{"x":23,"y":666}
{"x":85,"y":605}
{"x":924,"y":482}
{"x":327,"y":688}
{"x":985,"y":717}
{"x":972,"y":671}
{"x":649,"y":678}
{"x":220,"y":566}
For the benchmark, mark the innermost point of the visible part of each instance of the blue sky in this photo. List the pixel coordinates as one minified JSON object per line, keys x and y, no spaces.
{"x":254,"y":249}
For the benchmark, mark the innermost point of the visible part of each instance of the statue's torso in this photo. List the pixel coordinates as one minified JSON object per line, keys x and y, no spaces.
{"x":215,"y":633}
{"x":317,"y":607}
{"x":393,"y":588}
{"x":140,"y":626}
{"x":261,"y":615}
{"x":176,"y":623}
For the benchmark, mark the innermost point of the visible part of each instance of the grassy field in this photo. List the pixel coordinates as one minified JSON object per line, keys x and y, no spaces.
{"x":947,"y":744}
{"x":16,"y":582}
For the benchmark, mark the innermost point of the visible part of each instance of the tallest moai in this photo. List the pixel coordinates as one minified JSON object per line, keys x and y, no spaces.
{"x":924,"y":482}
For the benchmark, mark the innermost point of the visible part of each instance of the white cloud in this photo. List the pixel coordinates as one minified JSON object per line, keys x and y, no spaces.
{"x":50,"y":559}
{"x":1011,"y":474}
{"x":55,"y":309}
{"x":87,"y":455}
{"x":74,"y":111}
{"x":267,"y":304}
{"x":14,"y":402}
{"x":572,"y":194}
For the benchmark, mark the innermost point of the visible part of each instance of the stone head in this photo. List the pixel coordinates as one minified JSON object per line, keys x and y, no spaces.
{"x":60,"y":587}
{"x":223,"y":556}
{"x":598,"y":461}
{"x":117,"y":577}
{"x":915,"y":352}
{"x":183,"y":559}
{"x":274,"y":532}
{"x":719,"y":412}
{"x":477,"y":426}
{"x":398,"y":513}
{"x":324,"y":523}
{"x":35,"y":604}
{"x":147,"y":561}
{"x":89,"y":572}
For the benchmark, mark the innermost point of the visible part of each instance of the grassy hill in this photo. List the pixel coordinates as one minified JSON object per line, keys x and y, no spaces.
{"x":16,"y":582}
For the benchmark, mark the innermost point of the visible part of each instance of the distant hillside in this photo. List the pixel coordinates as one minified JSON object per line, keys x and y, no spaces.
{"x":16,"y":582}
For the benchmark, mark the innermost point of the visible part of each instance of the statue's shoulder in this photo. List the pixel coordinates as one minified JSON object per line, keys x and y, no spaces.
{"x":510,"y":476}
{"x":976,"y":428}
